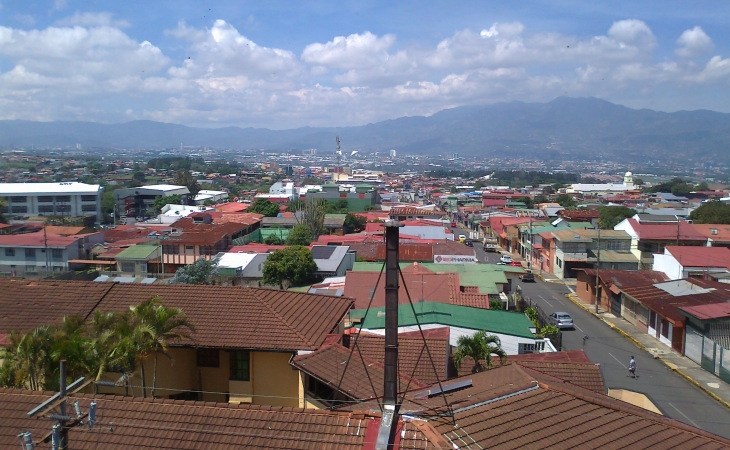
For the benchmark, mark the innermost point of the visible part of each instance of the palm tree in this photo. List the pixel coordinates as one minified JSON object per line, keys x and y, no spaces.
{"x":157,"y":326}
{"x":480,"y":347}
{"x":27,"y":359}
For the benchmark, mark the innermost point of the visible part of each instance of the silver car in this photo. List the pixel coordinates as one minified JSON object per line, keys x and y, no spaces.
{"x":562,"y":320}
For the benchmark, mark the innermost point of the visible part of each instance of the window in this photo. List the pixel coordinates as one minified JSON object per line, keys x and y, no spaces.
{"x":57,"y":253}
{"x":63,"y":198}
{"x":63,"y":208}
{"x":31,"y":269}
{"x":208,"y":357}
{"x":30,"y":253}
{"x":88,"y":198}
{"x":128,"y":267}
{"x":45,"y":208}
{"x":88,"y":208}
{"x":188,"y":247}
{"x":45,"y":199}
{"x":240,"y":366}
{"x":9,"y":251}
{"x":171,"y":249}
{"x":19,"y":199}
{"x":143,"y":267}
{"x":19,"y":209}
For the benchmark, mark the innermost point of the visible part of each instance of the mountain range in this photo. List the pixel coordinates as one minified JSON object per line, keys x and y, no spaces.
{"x":559,"y":129}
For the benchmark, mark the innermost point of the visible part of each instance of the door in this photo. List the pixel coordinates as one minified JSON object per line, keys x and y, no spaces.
{"x":693,"y":345}
{"x":616,"y":304}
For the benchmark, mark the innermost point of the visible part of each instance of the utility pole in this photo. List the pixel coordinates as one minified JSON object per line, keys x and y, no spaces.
{"x":677,"y":230}
{"x":598,"y":268}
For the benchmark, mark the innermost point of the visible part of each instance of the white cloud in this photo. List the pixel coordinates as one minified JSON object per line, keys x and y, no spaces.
{"x":356,"y":51}
{"x":632,"y":32}
{"x":89,"y":19}
{"x":694,"y":42}
{"x":59,"y":5}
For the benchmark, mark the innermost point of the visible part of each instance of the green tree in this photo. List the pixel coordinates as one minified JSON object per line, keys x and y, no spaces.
{"x":711,"y":212}
{"x":295,"y":205}
{"x":161,"y":201}
{"x":273,"y":239}
{"x":156,"y":327}
{"x":312,"y":215}
{"x":566,"y":201}
{"x":540,"y":199}
{"x":527,"y":200}
{"x":3,"y":206}
{"x":290,"y":265}
{"x":139,"y":176}
{"x":202,"y":271}
{"x":299,"y":235}
{"x":183,"y":177}
{"x":479,"y":347}
{"x":264,"y":206}
{"x":354,"y":223}
{"x":703,"y":186}
{"x":610,"y":216}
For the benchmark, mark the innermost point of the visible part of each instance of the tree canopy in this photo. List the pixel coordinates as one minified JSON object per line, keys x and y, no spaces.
{"x":183,"y":177}
{"x":354,"y":223}
{"x":202,"y":271}
{"x":566,"y":201}
{"x":480,"y":347}
{"x":711,"y":212}
{"x":292,"y":265}
{"x":162,"y":200}
{"x":299,"y":235}
{"x":263,"y":206}
{"x":610,"y":216}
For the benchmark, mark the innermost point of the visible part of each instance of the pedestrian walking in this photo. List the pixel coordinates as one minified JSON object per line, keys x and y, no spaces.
{"x":632,"y":368}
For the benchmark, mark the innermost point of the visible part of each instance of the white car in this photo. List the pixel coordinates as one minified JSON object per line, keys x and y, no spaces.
{"x":505,"y":259}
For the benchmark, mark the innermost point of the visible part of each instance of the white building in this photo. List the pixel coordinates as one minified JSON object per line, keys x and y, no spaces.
{"x":68,"y":199}
{"x":393,"y":153}
{"x":603,"y":189}
{"x":214,"y":196}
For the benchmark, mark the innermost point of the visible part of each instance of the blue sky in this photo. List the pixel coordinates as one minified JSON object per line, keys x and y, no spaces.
{"x":282,"y":64}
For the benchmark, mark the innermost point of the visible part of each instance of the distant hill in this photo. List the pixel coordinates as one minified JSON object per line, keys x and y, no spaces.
{"x":562,"y":128}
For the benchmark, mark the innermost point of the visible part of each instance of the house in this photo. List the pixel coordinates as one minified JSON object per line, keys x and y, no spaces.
{"x":512,"y":328}
{"x":208,"y":196}
{"x":651,"y":233}
{"x":695,"y":262}
{"x":580,"y":215}
{"x":244,"y":337}
{"x":610,"y":282}
{"x":706,"y":339}
{"x":494,"y":408}
{"x":441,"y":252}
{"x":423,"y":285}
{"x":193,"y":238}
{"x":654,"y":308}
{"x":332,"y":260}
{"x":579,"y":249}
{"x":66,"y":199}
{"x":38,"y":253}
{"x":139,"y":201}
{"x":241,"y":268}
{"x":139,"y":260}
{"x":530,"y":240}
{"x":333,"y":223}
{"x":411,"y":213}
{"x":718,"y":235}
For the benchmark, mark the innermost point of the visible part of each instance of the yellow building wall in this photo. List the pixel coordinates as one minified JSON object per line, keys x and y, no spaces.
{"x":215,"y":379}
{"x":275,"y":382}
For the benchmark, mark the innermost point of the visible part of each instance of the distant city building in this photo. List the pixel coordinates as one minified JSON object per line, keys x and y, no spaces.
{"x":393,"y":153}
{"x":67,"y":199}
{"x":139,"y":201}
{"x":603,"y":189}
{"x":357,"y":201}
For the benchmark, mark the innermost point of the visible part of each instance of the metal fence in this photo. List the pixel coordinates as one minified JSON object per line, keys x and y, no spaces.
{"x":544,"y":319}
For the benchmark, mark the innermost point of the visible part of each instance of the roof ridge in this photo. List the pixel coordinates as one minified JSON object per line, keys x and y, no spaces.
{"x":279,"y":316}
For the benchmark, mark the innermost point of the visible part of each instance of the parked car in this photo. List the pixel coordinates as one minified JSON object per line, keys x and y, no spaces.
{"x":505,"y":259}
{"x":529,"y":277}
{"x":515,"y":264}
{"x":562,"y":320}
{"x":490,"y":245}
{"x":462,"y":238}
{"x":469,"y":243}
{"x":453,"y":224}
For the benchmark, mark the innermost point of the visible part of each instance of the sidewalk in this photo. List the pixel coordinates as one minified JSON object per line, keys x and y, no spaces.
{"x":685,"y":367}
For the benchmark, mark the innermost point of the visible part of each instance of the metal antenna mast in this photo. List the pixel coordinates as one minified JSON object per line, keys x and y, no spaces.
{"x":339,"y":154}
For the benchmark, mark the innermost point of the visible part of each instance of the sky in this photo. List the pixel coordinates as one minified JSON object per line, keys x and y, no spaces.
{"x":285,"y":64}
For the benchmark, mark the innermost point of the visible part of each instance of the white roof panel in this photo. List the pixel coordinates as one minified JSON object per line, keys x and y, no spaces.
{"x":48,"y":188}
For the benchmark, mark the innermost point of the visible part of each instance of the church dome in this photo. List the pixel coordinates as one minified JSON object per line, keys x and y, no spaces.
{"x":628,"y":174}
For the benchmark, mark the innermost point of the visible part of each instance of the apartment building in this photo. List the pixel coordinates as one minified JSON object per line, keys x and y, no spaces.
{"x":67,"y":199}
{"x":139,"y":201}
{"x":31,"y":254}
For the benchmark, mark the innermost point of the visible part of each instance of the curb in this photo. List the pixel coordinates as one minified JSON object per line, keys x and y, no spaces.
{"x":641,"y":346}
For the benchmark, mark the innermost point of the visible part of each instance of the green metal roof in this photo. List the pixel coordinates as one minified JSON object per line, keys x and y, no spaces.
{"x":490,"y":320}
{"x":138,"y":252}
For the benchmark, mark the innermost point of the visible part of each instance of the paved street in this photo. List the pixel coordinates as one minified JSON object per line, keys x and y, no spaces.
{"x":673,"y":395}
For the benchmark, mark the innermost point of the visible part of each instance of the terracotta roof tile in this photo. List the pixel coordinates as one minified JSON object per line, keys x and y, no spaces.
{"x":224,"y":316}
{"x":125,"y":422}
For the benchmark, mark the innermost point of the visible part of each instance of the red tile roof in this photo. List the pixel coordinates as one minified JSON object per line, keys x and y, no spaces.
{"x":39,"y":239}
{"x":429,"y":287}
{"x":127,"y":423}
{"x":623,"y":279}
{"x":223,"y":316}
{"x":666,"y":231}
{"x":701,"y":256}
{"x":410,"y":211}
{"x":716,"y":232}
{"x":231,"y":207}
{"x":581,"y":214}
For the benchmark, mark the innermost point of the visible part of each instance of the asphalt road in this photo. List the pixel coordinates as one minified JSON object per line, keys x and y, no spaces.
{"x":673,"y":395}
